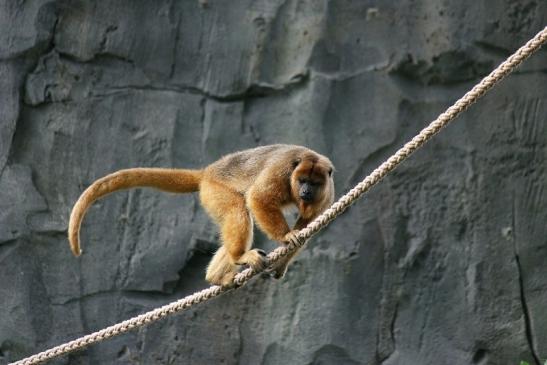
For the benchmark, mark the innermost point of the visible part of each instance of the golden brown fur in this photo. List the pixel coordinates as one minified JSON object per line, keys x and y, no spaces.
{"x":255,"y":184}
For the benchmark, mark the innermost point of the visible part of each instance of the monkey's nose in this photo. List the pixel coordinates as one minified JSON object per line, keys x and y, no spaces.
{"x":306,"y":196}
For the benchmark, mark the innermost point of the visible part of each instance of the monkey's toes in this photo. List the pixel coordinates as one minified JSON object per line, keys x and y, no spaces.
{"x":228,"y":280}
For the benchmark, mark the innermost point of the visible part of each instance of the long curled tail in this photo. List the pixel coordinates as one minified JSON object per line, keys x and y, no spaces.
{"x":171,"y":180}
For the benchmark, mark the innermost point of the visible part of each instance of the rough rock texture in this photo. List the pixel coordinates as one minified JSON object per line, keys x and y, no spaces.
{"x":443,"y":263}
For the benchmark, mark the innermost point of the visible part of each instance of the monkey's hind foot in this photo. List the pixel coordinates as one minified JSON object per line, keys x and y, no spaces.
{"x":228,"y":279}
{"x":220,"y":270}
{"x":225,"y":280}
{"x":255,"y":259}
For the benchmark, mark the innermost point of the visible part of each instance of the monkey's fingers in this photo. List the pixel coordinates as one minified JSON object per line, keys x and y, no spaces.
{"x":291,"y":236}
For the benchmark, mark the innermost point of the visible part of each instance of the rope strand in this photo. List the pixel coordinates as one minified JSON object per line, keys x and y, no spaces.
{"x":299,"y":239}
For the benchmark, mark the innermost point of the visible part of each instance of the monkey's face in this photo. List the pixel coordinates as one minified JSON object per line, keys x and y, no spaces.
{"x":311,"y":183}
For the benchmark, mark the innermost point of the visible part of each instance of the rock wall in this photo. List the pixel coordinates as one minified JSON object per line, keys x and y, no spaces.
{"x":442,"y":263}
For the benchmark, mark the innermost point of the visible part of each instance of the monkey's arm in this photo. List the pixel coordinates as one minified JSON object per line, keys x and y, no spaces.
{"x":266,"y":209}
{"x":280,"y":268}
{"x":300,"y":224}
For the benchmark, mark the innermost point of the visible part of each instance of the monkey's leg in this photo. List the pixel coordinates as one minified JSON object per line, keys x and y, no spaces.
{"x":220,"y":270}
{"x":237,"y":236}
{"x":228,"y":209}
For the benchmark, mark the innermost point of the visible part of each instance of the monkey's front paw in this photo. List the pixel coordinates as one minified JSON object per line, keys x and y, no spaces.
{"x":290,"y":236}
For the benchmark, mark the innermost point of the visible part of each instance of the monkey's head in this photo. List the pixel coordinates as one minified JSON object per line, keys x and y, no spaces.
{"x":311,"y":184}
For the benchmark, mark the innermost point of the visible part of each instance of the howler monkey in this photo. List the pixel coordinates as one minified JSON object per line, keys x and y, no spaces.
{"x":255,"y":184}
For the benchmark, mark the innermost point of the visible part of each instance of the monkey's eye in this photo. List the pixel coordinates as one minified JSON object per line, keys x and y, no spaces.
{"x":295,"y":163}
{"x":302,"y":181}
{"x":330,"y":172}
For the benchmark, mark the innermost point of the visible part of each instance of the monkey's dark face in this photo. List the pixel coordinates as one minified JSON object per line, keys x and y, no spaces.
{"x":307,"y":190}
{"x":310,"y":180}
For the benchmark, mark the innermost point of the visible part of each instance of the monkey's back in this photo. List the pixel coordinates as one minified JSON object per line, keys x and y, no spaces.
{"x":240,"y":169}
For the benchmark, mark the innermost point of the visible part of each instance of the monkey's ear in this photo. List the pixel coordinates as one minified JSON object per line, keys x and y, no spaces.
{"x":295,"y":162}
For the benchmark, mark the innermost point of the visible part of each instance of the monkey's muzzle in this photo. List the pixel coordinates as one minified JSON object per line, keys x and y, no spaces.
{"x":306,"y":193}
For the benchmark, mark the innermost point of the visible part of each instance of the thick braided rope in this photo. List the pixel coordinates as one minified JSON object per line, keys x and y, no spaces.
{"x":299,"y":239}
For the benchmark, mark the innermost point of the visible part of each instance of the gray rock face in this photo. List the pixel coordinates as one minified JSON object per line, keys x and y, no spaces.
{"x":442,"y":263}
